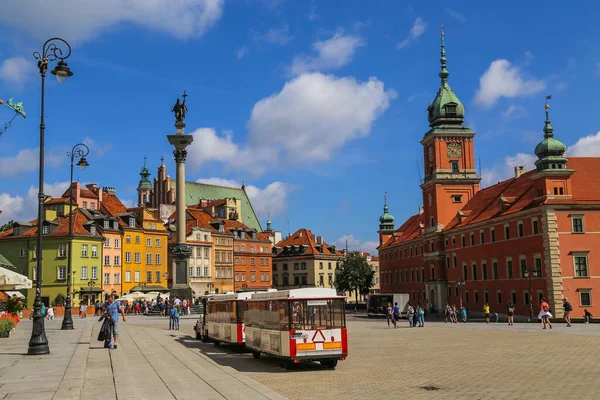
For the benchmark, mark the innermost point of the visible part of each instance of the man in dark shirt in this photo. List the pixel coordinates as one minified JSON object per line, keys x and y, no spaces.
{"x":568,"y":308}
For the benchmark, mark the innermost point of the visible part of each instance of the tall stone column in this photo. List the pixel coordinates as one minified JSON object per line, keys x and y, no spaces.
{"x":180,"y":252}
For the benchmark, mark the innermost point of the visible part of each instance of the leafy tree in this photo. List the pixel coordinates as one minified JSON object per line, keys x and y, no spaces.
{"x":356,"y":275}
{"x":7,"y":226}
{"x":59,"y":299}
{"x":14,"y":306}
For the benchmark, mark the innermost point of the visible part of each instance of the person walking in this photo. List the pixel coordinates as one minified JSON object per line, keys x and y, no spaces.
{"x":587,"y":316}
{"x":545,"y":314}
{"x":389,"y":313}
{"x":420,"y":316}
{"x":463,"y":315}
{"x":453,"y":314}
{"x":175,"y":318}
{"x":82,"y":310}
{"x":172,"y":317}
{"x":113,"y":309}
{"x":50,"y":313}
{"x":486,"y":311}
{"x":397,"y":315}
{"x":510,"y":313}
{"x":448,"y":313}
{"x":410,"y":311}
{"x":568,"y":308}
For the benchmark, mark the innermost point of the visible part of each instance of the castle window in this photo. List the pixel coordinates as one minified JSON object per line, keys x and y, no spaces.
{"x":457,"y":198}
{"x":560,"y":191}
{"x":451,"y":110}
{"x":577,"y":224}
{"x":454,"y":166}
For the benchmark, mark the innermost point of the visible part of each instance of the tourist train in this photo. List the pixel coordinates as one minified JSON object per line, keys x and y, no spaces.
{"x":294,"y":325}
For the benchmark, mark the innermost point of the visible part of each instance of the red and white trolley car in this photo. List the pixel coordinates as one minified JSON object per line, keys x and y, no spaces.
{"x":297,"y":325}
{"x":223,"y":319}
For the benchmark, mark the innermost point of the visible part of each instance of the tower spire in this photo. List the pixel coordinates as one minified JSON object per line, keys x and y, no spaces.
{"x":444,"y":72}
{"x":548,"y":130}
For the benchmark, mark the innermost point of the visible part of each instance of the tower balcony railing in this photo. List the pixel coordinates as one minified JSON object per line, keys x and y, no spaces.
{"x":449,"y":174}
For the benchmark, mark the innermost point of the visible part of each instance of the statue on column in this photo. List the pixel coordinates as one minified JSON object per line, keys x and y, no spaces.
{"x":180,"y":109}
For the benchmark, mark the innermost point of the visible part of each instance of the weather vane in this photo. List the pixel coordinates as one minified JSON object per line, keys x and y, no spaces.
{"x":17,"y":108}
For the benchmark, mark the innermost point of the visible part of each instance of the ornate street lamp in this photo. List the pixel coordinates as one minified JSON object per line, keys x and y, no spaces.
{"x":80,"y":150}
{"x":531,"y":273}
{"x":38,"y":343}
{"x":460,"y":283}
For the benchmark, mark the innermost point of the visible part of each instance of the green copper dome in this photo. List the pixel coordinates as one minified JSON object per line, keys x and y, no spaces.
{"x":446,"y":106}
{"x":144,"y":181}
{"x":386,"y":217}
{"x":551,"y":152}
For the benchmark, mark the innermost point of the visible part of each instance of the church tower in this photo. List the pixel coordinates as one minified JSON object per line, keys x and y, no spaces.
{"x":144,"y":188}
{"x":450,"y":175}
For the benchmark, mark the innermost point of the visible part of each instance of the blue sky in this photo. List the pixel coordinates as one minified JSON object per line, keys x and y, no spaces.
{"x":318,"y":106}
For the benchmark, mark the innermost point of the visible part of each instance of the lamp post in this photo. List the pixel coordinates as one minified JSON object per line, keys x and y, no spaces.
{"x":460,"y":283}
{"x":80,"y":150}
{"x":531,"y":273}
{"x":38,"y":343}
{"x":91,"y":284}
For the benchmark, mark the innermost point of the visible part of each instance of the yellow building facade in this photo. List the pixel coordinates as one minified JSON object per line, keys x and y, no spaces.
{"x":222,"y":266}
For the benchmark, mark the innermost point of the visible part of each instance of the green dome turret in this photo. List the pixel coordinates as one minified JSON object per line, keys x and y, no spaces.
{"x":386,"y":221}
{"x":446,"y":107}
{"x":551,"y":152}
{"x":144,"y":181}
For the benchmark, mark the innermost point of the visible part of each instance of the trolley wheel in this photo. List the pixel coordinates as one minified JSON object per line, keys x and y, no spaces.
{"x":285,"y":364}
{"x":255,"y":354}
{"x":329,"y":363}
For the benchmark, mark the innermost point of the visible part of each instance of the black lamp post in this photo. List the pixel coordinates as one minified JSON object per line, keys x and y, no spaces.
{"x":91,"y":284}
{"x":460,"y":283}
{"x":38,"y":343}
{"x":531,"y":273}
{"x":80,"y":150}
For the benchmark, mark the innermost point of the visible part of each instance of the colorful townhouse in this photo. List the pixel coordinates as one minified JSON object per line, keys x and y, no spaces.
{"x":18,"y":245}
{"x":533,"y":236}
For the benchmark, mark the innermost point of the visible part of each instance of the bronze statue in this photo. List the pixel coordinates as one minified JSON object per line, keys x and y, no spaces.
{"x":180,"y":109}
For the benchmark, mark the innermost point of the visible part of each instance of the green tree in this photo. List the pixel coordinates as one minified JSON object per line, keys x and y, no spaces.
{"x":356,"y":275}
{"x":7,"y":226}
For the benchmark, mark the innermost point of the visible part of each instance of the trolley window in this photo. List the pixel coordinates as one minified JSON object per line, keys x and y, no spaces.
{"x":317,"y":314}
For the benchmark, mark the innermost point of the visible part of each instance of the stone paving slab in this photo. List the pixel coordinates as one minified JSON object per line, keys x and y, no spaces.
{"x":149,"y":364}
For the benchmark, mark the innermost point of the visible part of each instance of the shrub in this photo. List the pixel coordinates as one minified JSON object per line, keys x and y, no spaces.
{"x":59,"y":299}
{"x":14,"y":306}
{"x":6,"y":325}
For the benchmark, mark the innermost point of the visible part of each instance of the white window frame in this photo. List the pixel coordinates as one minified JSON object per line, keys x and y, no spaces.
{"x":131,"y":222}
{"x":117,"y":278}
{"x":128,"y":276}
{"x":107,"y":243}
{"x":136,"y":276}
{"x":94,"y":274}
{"x":148,"y":242}
{"x":117,"y":243}
{"x":84,"y":250}
{"x":137,"y":257}
{"x":61,"y":272}
{"x":45,"y":229}
{"x":157,"y":259}
{"x":589,"y":291}
{"x":127,"y":257}
{"x":117,"y":261}
{"x":157,"y":277}
{"x":148,"y":258}
{"x":95,"y":250}
{"x":84,"y":272}
{"x":576,"y":254}
{"x":106,"y":280}
{"x":92,"y":230}
{"x":106,"y":225}
{"x":157,"y":242}
{"x":62,"y":250}
{"x":106,"y":260}
{"x":573,"y":218}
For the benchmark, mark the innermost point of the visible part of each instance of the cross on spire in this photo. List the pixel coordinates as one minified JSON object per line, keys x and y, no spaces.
{"x":144,"y":161}
{"x":184,"y":95}
{"x":162,"y":161}
{"x":385,"y":198}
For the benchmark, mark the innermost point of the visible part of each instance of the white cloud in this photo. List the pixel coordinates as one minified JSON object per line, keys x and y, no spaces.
{"x":502,"y":79}
{"x":515,"y":111}
{"x":506,"y":170}
{"x":27,"y":160}
{"x":456,"y":15}
{"x":561,"y":86}
{"x":312,"y":117}
{"x":96,"y":148}
{"x":331,"y":54}
{"x":280,"y":36}
{"x":272,"y":199}
{"x":356,"y":244}
{"x":16,"y":71}
{"x":24,"y":207}
{"x":81,"y":20}
{"x":418,"y":29}
{"x":129,"y":203}
{"x":588,"y":146}
{"x":241,"y":52}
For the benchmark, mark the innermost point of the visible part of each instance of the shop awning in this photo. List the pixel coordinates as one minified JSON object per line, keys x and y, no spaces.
{"x":11,"y":293}
{"x":10,"y":280}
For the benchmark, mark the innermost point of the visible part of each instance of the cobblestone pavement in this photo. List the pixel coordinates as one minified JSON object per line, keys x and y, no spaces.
{"x":441,"y":361}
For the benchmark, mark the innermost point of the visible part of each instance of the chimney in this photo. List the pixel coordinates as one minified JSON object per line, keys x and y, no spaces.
{"x":109,"y":190}
{"x":319,"y":239}
{"x":519,"y":170}
{"x":420,"y":210}
{"x":300,"y":234}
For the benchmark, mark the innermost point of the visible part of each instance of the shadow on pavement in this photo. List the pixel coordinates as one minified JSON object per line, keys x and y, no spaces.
{"x":240,"y":358}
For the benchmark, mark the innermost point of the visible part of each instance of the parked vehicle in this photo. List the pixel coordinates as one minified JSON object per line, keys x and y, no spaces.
{"x":377,"y":303}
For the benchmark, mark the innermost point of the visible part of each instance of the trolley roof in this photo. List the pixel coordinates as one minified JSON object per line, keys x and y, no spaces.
{"x":231,"y":296}
{"x":304,"y":293}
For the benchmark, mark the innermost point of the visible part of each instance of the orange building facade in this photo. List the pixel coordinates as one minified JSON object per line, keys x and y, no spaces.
{"x":532,"y":236}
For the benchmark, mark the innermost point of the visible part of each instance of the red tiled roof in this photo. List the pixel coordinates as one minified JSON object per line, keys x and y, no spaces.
{"x":88,"y":194}
{"x":518,"y":194}
{"x":306,"y":237}
{"x":112,"y":205}
{"x":62,"y":230}
{"x":58,"y":200}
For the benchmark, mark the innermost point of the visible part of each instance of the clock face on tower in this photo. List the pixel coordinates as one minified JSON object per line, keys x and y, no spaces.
{"x":454,"y":150}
